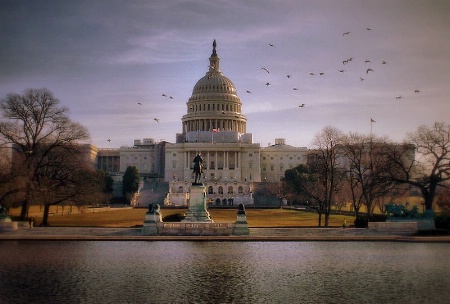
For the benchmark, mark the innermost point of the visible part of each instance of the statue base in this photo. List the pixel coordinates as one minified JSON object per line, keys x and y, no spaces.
{"x":241,"y":225}
{"x":7,"y":225}
{"x":197,"y":205}
{"x":151,"y":222}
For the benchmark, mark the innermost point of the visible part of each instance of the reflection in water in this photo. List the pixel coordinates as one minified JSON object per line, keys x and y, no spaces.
{"x":223,"y":272}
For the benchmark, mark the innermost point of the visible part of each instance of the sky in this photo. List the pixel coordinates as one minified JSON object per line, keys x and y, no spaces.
{"x":102,"y":58}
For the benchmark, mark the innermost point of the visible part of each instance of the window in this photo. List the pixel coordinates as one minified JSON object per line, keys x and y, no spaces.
{"x":220,"y":190}
{"x":230,"y":190}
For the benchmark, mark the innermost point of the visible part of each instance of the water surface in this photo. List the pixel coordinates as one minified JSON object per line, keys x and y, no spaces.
{"x":223,"y":272}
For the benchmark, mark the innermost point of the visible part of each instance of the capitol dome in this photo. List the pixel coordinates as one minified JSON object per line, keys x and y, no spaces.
{"x":214,"y":105}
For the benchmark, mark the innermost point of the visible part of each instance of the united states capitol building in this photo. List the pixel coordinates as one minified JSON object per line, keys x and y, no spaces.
{"x":215,"y":127}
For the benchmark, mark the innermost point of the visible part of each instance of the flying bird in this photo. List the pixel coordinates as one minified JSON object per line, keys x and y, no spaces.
{"x":109,"y":140}
{"x":170,"y":97}
{"x":383,"y":62}
{"x":341,"y":71}
{"x":369,"y":29}
{"x":321,"y":74}
{"x":369,"y":70}
{"x":416,"y":91}
{"x":312,"y":74}
{"x":267,"y":84}
{"x":248,"y":91}
{"x":295,"y":89}
{"x":270,"y":44}
{"x":288,"y":76}
{"x":361,"y":78}
{"x":156,"y":119}
{"x":347,"y":60}
{"x":265,"y":69}
{"x":139,"y":103}
{"x":164,"y":95}
{"x":346,"y":33}
{"x":398,"y":97}
{"x":302,"y":105}
{"x":367,"y":61}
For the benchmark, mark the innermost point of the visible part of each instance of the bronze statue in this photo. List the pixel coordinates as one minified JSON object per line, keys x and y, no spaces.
{"x":198,"y":168}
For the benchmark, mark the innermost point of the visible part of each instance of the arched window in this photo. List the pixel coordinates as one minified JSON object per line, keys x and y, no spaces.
{"x":220,"y":190}
{"x":210,"y":190}
{"x":240,"y":189}
{"x":180,"y":189}
{"x":230,"y":190}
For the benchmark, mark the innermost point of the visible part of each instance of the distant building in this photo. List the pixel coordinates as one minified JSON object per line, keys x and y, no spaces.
{"x":278,"y":158}
{"x":215,"y":127}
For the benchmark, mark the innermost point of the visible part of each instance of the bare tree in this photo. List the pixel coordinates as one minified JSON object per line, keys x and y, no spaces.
{"x":35,"y":125}
{"x":429,"y":167}
{"x":327,"y":167}
{"x":366,"y":169}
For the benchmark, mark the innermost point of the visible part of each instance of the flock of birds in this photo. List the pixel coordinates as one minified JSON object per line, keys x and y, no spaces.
{"x":156,"y":119}
{"x":345,"y":62}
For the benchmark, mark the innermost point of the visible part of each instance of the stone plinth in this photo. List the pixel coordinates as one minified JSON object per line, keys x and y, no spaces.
{"x":152,"y":219}
{"x":7,"y":225}
{"x":197,"y":205}
{"x":241,"y":225}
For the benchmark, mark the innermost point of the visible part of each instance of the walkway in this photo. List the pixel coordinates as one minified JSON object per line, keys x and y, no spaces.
{"x":256,"y":234}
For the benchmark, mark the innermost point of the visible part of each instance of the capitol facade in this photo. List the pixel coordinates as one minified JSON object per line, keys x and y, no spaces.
{"x":215,"y":127}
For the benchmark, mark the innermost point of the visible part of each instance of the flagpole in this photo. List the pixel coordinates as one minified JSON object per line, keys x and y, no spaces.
{"x":371,"y":123}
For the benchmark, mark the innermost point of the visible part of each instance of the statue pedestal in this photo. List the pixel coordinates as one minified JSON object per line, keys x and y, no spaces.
{"x":152,"y":219}
{"x":7,"y":225}
{"x":241,"y":225}
{"x":197,"y":205}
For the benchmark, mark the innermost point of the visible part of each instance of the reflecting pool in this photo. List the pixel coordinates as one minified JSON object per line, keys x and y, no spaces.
{"x":223,"y":272}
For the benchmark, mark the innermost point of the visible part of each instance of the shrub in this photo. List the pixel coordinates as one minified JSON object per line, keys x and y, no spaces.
{"x":176,"y":217}
{"x":442,"y":221}
{"x":362,"y":221}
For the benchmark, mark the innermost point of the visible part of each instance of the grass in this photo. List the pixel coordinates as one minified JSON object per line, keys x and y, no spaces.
{"x":129,"y":217}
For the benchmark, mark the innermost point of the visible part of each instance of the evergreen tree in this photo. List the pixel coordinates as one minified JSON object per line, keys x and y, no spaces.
{"x":130,"y":182}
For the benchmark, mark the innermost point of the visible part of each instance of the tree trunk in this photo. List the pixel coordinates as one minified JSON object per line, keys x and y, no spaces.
{"x":45,"y":216}
{"x":327,"y":217}
{"x":320,"y":219}
{"x":24,"y":210}
{"x":428,"y":196}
